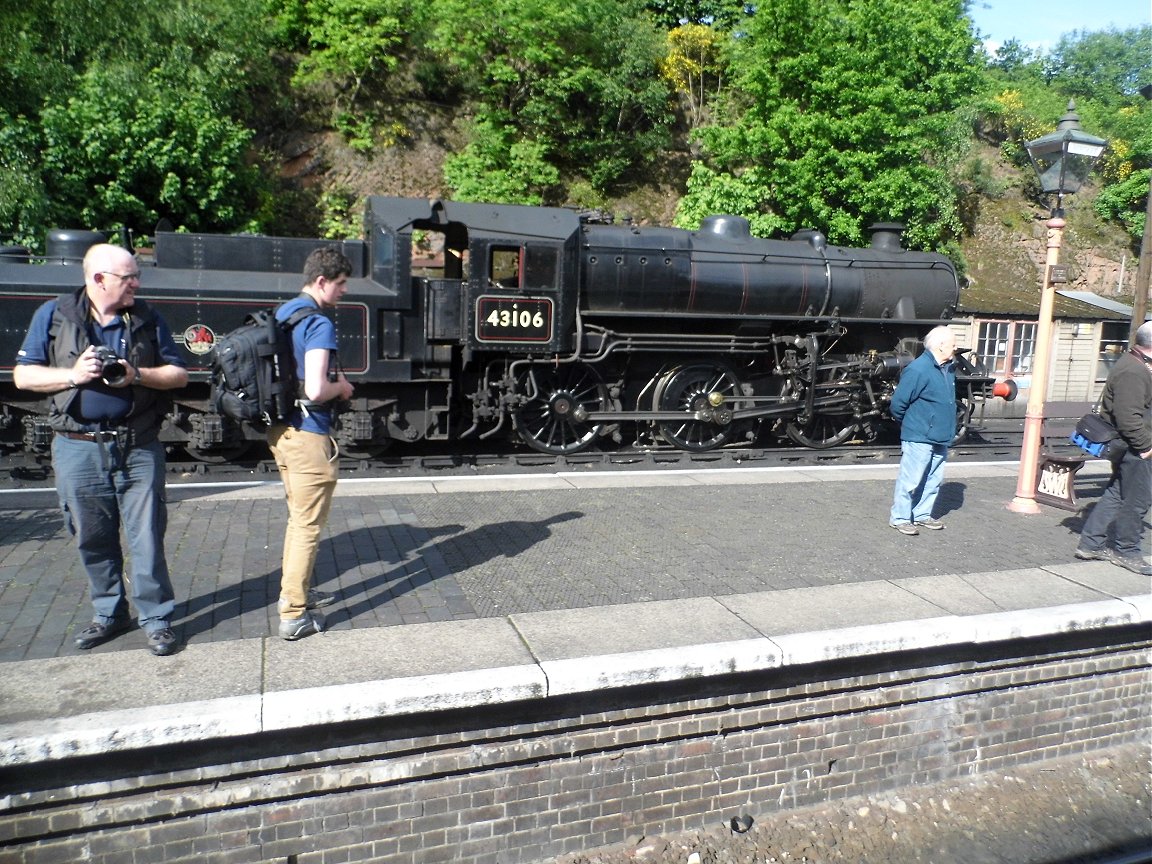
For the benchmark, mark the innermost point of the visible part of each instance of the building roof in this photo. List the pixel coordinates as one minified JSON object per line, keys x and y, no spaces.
{"x":983,"y":301}
{"x":1096,"y":300}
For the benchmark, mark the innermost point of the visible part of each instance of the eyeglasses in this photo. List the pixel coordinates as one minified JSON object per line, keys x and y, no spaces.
{"x":123,"y":277}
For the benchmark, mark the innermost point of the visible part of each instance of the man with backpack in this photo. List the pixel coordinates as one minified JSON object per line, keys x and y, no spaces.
{"x":302,"y":447}
{"x":1126,"y":403}
{"x":101,"y":355}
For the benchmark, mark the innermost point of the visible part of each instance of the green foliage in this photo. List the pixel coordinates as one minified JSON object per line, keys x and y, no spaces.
{"x":849,"y":113}
{"x":130,"y":147}
{"x":710,"y":192}
{"x":572,"y":86}
{"x":1025,"y":98}
{"x":353,"y":46}
{"x":1109,"y":66}
{"x":23,"y":204}
{"x":809,"y":113}
{"x":340,"y":214}
{"x":1125,"y":203}
{"x":496,"y":166}
{"x":670,"y":14}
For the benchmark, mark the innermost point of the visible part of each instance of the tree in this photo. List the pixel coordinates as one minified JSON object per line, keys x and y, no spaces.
{"x":349,"y":49}
{"x":723,"y":14}
{"x":1109,"y":66}
{"x":118,"y":111}
{"x":571,"y":86}
{"x":692,"y":67}
{"x":1099,"y":71}
{"x":132,"y":145}
{"x":848,"y":113}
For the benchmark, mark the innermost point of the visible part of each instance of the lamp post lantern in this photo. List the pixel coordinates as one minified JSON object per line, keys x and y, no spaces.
{"x":1062,"y":160}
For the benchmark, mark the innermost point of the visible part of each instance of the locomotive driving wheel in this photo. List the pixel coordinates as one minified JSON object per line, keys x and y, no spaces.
{"x":833,"y":420}
{"x":558,"y":397}
{"x":711,"y":391}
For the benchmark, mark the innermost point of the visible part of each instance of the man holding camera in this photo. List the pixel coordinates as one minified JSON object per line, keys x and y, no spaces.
{"x":101,"y":355}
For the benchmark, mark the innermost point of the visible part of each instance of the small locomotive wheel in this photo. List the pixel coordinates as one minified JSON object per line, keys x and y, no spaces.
{"x":552,"y":420}
{"x":698,"y":390}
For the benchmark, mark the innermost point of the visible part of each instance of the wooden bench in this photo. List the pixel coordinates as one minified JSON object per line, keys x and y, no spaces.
{"x":1060,"y":459}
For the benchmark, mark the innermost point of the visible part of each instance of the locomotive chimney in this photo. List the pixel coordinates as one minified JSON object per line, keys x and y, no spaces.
{"x":886,"y":236}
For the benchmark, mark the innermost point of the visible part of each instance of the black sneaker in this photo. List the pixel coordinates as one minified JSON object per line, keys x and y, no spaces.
{"x":163,"y":642}
{"x":96,"y":633}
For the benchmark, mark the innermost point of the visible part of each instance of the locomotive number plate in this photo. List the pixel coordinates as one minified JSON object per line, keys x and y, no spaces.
{"x":513,"y":319}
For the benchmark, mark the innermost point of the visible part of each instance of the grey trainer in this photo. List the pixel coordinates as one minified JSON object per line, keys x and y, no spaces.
{"x":1092,"y":554}
{"x":297,"y":628}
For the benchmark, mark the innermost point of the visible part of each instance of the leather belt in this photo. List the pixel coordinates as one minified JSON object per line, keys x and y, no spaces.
{"x":90,"y":436}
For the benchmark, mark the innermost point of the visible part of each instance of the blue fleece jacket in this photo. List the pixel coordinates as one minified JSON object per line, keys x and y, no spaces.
{"x":925,"y":401}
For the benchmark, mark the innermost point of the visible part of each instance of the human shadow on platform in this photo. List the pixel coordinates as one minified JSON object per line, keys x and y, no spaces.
{"x":445,"y":557}
{"x":412,"y":557}
{"x":334,"y":556}
{"x":950,"y":499}
{"x":40,"y":525}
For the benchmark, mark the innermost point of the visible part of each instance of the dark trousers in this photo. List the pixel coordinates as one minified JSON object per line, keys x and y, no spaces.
{"x":1122,"y":506}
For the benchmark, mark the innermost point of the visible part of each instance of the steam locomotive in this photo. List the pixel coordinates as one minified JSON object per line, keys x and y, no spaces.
{"x":559,"y":329}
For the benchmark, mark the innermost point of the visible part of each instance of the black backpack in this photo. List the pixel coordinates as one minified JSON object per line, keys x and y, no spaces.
{"x":253,"y":370}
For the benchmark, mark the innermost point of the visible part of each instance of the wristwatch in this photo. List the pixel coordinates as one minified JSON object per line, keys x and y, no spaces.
{"x":137,"y":376}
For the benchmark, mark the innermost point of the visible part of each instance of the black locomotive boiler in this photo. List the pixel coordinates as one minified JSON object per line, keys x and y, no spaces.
{"x":484,"y":321}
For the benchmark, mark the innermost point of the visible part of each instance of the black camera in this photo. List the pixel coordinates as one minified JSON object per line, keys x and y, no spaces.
{"x":112,"y":368}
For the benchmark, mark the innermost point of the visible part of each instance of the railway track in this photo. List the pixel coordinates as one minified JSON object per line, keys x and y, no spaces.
{"x":993,"y":443}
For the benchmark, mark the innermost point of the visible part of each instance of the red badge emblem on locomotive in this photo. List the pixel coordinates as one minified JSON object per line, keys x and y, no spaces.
{"x":199,"y":339}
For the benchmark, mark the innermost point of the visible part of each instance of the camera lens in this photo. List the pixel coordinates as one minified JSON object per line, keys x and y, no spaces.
{"x":113,"y":372}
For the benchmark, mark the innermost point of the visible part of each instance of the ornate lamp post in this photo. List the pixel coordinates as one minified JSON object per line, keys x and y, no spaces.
{"x":1062,"y":160}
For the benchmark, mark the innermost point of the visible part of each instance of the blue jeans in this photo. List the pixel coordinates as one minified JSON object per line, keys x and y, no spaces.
{"x":918,"y":484}
{"x":1122,"y":507}
{"x":103,"y":488}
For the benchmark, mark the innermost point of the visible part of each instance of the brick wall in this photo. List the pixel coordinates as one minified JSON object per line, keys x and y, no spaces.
{"x":522,"y":783}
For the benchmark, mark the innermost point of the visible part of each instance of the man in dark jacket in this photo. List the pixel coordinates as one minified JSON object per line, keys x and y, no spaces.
{"x":925,"y":405}
{"x":106,"y":414}
{"x":1127,"y":404}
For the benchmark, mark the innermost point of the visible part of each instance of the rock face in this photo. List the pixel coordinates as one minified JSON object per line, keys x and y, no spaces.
{"x":1069,"y":810}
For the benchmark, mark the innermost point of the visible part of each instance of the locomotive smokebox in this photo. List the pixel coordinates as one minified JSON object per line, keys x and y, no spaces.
{"x":67,"y":246}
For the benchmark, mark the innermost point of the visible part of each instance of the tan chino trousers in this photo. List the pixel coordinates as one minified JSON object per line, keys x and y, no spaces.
{"x":309,"y":475}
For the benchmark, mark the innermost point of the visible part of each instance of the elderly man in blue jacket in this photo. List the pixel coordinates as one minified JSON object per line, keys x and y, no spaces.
{"x":925,"y":405}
